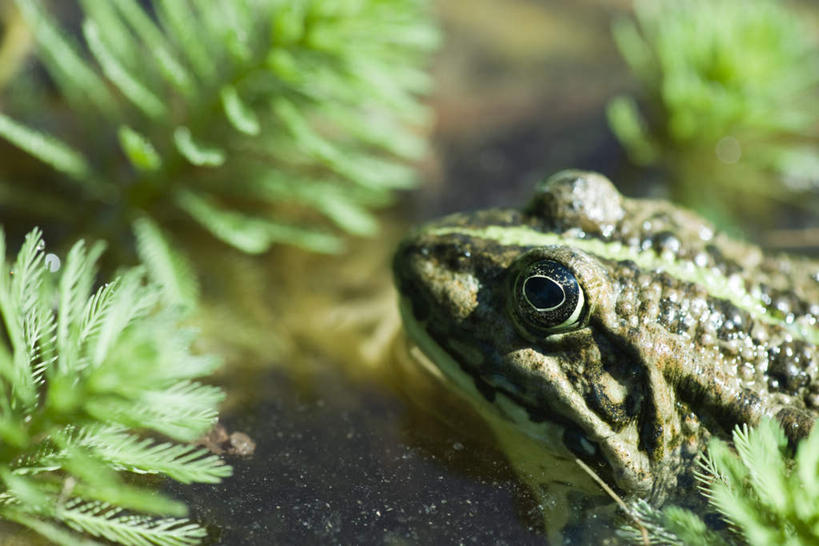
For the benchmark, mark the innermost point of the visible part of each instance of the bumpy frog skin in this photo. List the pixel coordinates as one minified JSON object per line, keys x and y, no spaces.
{"x":679,"y":333}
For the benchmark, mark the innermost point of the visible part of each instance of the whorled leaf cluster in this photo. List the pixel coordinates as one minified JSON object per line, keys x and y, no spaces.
{"x":727,"y":101}
{"x":90,"y":379}
{"x":263,"y":121}
{"x":766,"y":495}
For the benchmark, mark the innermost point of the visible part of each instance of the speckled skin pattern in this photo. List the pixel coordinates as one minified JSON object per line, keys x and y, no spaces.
{"x":689,"y":332}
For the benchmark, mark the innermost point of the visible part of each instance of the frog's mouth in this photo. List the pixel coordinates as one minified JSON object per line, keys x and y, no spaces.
{"x":558,"y":436}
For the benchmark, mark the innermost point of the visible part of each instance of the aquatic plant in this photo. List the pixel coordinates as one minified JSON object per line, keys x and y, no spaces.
{"x":262,"y":121}
{"x":91,"y":379}
{"x":765,"y":495}
{"x":728,"y":96}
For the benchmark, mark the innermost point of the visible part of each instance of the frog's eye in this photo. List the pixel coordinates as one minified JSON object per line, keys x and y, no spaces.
{"x":546,"y":298}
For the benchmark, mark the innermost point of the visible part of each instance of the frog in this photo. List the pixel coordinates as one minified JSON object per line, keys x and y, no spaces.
{"x":617,"y":333}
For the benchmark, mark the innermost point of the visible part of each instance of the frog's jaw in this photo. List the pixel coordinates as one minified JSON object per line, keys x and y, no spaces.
{"x":554,"y":478}
{"x":442,"y":365}
{"x":505,"y":412}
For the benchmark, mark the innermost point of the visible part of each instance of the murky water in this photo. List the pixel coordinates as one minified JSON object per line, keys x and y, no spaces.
{"x":343,"y":461}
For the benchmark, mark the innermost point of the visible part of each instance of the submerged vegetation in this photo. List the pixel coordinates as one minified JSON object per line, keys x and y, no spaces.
{"x":262,"y":121}
{"x":728,"y":96}
{"x":85,"y":375}
{"x":764,"y":495}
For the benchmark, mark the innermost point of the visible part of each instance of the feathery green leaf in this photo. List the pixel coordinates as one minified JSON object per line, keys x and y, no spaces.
{"x":138,"y":149}
{"x":45,"y":148}
{"x":198,"y":154}
{"x":765,"y":497}
{"x":76,"y":77}
{"x":88,"y":372}
{"x":51,"y":532}
{"x":166,"y":266}
{"x":727,"y":87}
{"x":253,"y":235}
{"x":238,"y":113}
{"x":183,"y":463}
{"x":238,"y":91}
{"x":130,"y":86}
{"x":111,"y":523}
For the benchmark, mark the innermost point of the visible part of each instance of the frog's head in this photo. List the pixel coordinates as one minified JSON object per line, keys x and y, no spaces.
{"x":516,"y":314}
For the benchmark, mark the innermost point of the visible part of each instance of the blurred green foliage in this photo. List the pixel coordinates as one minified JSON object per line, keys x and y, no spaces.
{"x":262,"y":121}
{"x":84,"y":375}
{"x":728,"y":105}
{"x":767,"y":496}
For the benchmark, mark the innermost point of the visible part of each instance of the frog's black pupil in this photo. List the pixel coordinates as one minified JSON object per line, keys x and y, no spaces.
{"x":543,"y":292}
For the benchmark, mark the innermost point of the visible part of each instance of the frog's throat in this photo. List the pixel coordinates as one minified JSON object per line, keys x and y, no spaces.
{"x":443,"y":366}
{"x":716,"y":283}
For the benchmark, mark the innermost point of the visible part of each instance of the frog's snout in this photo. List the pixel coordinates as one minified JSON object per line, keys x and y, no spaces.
{"x":432,"y":284}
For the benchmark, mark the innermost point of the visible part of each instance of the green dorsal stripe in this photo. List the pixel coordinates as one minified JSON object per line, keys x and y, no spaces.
{"x":731,"y":288}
